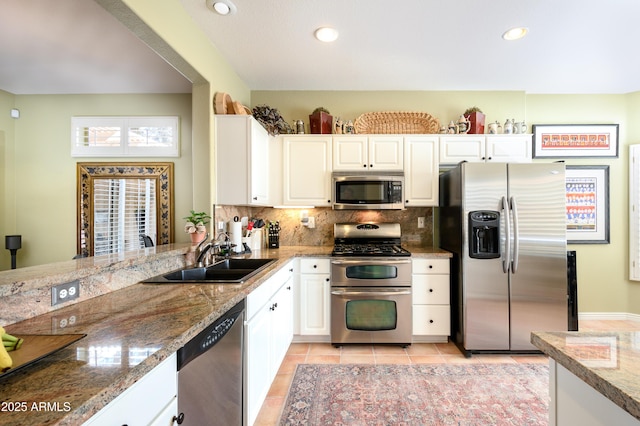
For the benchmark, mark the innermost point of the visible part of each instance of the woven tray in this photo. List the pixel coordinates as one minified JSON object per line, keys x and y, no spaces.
{"x":396,"y":123}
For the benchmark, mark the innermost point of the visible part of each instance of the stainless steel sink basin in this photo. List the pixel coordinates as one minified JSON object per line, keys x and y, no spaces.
{"x":232,"y":271}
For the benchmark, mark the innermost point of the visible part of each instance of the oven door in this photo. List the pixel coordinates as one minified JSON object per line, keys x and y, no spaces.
{"x":371,"y":272}
{"x":371,"y":315}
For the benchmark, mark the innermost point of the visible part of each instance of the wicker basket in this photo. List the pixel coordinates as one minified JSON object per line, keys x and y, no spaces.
{"x":396,"y":123}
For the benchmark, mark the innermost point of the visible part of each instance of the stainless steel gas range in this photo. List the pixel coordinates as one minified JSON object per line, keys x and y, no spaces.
{"x":370,"y":285}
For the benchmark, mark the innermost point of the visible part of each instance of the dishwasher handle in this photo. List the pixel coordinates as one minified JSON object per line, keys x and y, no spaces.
{"x":211,"y":335}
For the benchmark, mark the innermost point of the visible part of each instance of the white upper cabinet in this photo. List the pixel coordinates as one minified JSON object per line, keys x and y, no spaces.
{"x":485,"y":148}
{"x":421,"y":171}
{"x":357,"y":153}
{"x":509,"y":148}
{"x":306,"y":170}
{"x":242,"y":161}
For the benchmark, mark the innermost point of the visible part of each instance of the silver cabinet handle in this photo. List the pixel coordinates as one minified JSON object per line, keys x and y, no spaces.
{"x":369,"y":293}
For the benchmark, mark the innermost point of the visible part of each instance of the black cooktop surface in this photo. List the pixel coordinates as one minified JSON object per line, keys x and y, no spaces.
{"x":387,"y":250}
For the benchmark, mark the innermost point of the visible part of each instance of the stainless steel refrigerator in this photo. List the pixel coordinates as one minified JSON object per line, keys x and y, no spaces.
{"x":505,"y":225}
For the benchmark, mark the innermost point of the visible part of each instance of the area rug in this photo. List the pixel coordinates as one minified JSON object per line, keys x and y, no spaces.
{"x":418,"y":394}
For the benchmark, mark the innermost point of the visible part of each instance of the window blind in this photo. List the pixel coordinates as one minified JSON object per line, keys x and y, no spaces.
{"x":124,"y":136}
{"x":124,"y":209}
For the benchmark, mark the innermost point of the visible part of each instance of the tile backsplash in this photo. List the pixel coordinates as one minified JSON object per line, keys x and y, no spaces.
{"x":293,"y":233}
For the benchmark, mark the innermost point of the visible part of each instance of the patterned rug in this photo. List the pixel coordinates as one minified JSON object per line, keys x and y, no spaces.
{"x":418,"y":394}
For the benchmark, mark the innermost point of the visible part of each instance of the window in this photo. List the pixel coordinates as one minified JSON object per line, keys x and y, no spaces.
{"x":124,"y":210}
{"x":634,"y":214}
{"x":124,"y":137}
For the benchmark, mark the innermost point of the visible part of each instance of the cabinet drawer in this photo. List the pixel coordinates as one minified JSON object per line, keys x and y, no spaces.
{"x":431,"y":320}
{"x":430,"y":289}
{"x":430,"y":266}
{"x":314,"y":266}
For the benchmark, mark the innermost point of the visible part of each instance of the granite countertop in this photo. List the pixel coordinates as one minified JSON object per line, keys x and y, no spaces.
{"x":609,"y":362}
{"x":129,"y":331}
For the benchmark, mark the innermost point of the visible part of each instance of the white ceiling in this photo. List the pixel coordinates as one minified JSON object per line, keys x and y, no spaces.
{"x":574,"y":46}
{"x":75,"y":46}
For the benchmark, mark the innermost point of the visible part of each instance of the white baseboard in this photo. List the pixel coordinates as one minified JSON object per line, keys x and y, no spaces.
{"x":621,"y":316}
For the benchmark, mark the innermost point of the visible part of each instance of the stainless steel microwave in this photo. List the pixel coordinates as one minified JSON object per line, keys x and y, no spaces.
{"x":364,"y":191}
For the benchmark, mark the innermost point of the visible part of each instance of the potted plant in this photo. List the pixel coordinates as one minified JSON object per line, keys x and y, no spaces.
{"x":476,"y":117}
{"x":321,"y":121}
{"x":195,"y":225}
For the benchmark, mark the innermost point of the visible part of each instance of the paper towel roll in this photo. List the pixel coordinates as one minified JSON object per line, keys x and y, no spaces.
{"x":235,"y":234}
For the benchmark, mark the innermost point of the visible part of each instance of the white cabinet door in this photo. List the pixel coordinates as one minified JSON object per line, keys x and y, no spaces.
{"x":357,"y":153}
{"x":454,"y":149}
{"x":315,"y":304}
{"x":145,"y":400}
{"x":509,"y":148}
{"x":242,"y":161}
{"x":350,"y":153}
{"x":386,"y":153}
{"x":485,"y":148}
{"x":315,"y":297}
{"x":282,"y":325}
{"x":257,"y":361}
{"x":259,"y":164}
{"x":421,"y":171}
{"x":307,"y":171}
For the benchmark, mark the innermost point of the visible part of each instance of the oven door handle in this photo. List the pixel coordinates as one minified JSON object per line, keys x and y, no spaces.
{"x":376,"y":261}
{"x":370,"y":293}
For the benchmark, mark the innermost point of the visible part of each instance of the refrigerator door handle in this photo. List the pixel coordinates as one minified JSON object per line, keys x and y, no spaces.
{"x":516,"y":236}
{"x":507,"y":241}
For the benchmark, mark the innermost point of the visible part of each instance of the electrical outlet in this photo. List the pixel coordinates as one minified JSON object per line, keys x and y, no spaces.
{"x":311,"y":222}
{"x":421,"y":222}
{"x":64,"y":292}
{"x":60,"y":322}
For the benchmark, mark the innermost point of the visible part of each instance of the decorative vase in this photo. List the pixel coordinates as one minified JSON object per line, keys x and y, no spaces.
{"x":197,"y":237}
{"x":320,"y":123}
{"x":477,"y":123}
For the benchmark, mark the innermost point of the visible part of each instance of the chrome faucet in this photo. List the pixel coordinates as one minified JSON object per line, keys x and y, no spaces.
{"x":213,"y":245}
{"x":202,"y":251}
{"x":216,"y":244}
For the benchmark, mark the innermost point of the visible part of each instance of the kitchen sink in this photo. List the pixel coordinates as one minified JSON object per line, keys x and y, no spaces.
{"x":231,"y":271}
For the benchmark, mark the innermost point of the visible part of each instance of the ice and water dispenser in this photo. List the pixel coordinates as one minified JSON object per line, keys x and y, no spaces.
{"x":484,"y":234}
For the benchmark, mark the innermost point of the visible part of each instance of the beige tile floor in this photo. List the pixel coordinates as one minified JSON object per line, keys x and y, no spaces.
{"x":417,"y":353}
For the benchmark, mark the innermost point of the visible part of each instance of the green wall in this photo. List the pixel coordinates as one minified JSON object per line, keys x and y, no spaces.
{"x":40,"y":174}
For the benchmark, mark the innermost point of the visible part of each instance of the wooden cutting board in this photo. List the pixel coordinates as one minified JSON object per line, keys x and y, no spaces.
{"x":38,"y":346}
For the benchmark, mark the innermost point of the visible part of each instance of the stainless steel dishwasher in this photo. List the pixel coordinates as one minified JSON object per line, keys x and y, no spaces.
{"x":210,"y":373}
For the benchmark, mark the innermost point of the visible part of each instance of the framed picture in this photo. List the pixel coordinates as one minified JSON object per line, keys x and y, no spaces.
{"x":587,"y":189}
{"x":575,"y":140}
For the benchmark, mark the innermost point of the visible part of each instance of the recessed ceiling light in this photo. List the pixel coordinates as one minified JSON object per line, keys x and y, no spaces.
{"x":515,"y":33}
{"x":222,"y":7}
{"x":326,"y":34}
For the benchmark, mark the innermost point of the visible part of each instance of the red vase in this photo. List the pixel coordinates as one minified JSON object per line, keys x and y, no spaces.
{"x":477,"y":123}
{"x":321,"y":123}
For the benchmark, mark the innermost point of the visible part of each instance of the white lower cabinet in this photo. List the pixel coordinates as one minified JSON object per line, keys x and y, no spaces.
{"x":150,"y":401}
{"x":431,"y":302}
{"x":574,"y":402}
{"x":268,"y":334}
{"x":315,"y":302}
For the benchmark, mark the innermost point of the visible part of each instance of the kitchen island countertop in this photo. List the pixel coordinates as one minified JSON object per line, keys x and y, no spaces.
{"x":149,"y":320}
{"x":608,"y":361}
